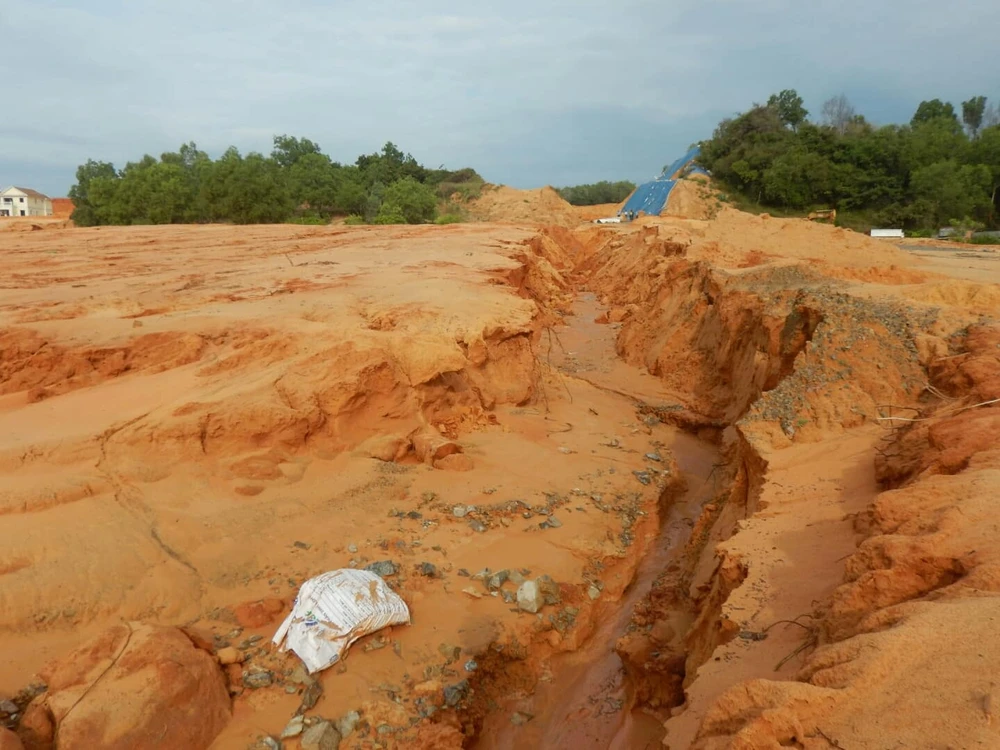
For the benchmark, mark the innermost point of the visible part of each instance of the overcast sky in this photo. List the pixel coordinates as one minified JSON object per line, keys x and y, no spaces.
{"x":529,"y":92}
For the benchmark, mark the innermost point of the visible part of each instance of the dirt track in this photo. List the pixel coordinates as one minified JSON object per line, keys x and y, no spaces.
{"x":193,"y":420}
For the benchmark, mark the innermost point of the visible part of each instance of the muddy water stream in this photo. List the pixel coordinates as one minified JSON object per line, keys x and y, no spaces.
{"x":582,"y":702}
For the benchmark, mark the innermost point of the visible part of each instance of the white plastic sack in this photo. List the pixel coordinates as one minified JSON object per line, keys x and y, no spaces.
{"x":333,"y":610}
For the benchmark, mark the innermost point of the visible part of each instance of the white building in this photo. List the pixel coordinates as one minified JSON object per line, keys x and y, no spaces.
{"x":17,"y":201}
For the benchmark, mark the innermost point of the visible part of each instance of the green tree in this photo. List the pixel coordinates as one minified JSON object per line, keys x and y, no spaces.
{"x":85,"y":212}
{"x":288,"y":149}
{"x":972,"y":114}
{"x":313,"y":183}
{"x":798,"y":178}
{"x":933,"y":110}
{"x":952,"y":190}
{"x":788,"y":105}
{"x":416,"y":201}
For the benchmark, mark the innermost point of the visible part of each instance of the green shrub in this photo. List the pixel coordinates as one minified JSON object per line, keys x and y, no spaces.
{"x":413,"y":201}
{"x":390,"y":213}
{"x":984,"y":240}
{"x":307,"y":220}
{"x":449,"y":219}
{"x":354,"y":220}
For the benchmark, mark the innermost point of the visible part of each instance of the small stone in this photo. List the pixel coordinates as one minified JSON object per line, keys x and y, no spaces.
{"x":291,"y":689}
{"x":463,"y":572}
{"x":471,"y":665}
{"x":474,"y":593}
{"x":384,"y":729}
{"x":347,"y":723}
{"x":593,"y":592}
{"x":293,"y":728}
{"x":454,"y":694}
{"x":267,"y":743}
{"x":257,"y":680}
{"x":551,"y":523}
{"x":460,"y":511}
{"x":352,"y":548}
{"x":8,"y":707}
{"x":564,"y":449}
{"x":321,"y":736}
{"x":497,"y":580}
{"x":429,"y":570}
{"x":517,"y":718}
{"x":382,"y":568}
{"x":449,"y":652}
{"x":508,"y":596}
{"x":229,"y":655}
{"x":654,"y":457}
{"x":414,"y":516}
{"x":516,"y":577}
{"x":477,"y":525}
{"x":643,"y":477}
{"x":529,"y":597}
{"x":302,"y":545}
{"x":309,"y":697}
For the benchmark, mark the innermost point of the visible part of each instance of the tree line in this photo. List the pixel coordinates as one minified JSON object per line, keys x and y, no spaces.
{"x":296,"y":182}
{"x":597,"y":193}
{"x":942,"y":168}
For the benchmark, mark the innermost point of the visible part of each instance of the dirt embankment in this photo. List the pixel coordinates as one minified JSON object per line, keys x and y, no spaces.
{"x":798,"y":368}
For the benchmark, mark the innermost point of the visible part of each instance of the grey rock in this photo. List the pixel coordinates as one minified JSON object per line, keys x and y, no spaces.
{"x":643,"y":477}
{"x":383,"y":568}
{"x":257,"y":680}
{"x":654,"y":457}
{"x":515,"y":577}
{"x":291,"y":689}
{"x":302,"y":545}
{"x":529,"y":597}
{"x":517,"y":718}
{"x":460,"y":511}
{"x":348,"y":722}
{"x":455,"y":694}
{"x":352,"y":548}
{"x":321,"y":736}
{"x":471,"y":665}
{"x":309,"y":697}
{"x":449,"y":652}
{"x":267,"y":743}
{"x":551,"y":523}
{"x":429,"y":570}
{"x":8,"y":707}
{"x":477,"y":525}
{"x":463,"y":572}
{"x":293,"y":728}
{"x":497,"y":580}
{"x":593,"y":592}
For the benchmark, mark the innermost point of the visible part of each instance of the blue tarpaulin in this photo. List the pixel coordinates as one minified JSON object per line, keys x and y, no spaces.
{"x":651,"y":197}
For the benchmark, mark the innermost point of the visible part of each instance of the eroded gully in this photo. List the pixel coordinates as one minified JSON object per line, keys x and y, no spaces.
{"x":582,"y":699}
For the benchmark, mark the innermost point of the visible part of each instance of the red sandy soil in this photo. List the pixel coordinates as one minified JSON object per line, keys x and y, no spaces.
{"x":194,"y":420}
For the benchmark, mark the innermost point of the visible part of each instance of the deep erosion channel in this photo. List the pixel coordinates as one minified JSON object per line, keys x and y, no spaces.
{"x":583,"y":698}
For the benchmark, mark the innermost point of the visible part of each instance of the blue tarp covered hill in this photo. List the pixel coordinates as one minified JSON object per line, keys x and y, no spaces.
{"x":651,"y":197}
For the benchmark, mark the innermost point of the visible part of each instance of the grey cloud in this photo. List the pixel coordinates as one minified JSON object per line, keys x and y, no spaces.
{"x":546,"y":91}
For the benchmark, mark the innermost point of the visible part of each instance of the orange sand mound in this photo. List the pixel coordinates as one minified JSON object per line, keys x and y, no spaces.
{"x":504,"y":204}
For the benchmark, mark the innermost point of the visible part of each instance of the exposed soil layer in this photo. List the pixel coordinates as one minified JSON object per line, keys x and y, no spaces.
{"x":675,"y":421}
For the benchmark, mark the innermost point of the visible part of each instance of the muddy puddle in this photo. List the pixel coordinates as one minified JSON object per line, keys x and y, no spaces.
{"x":582,"y":699}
